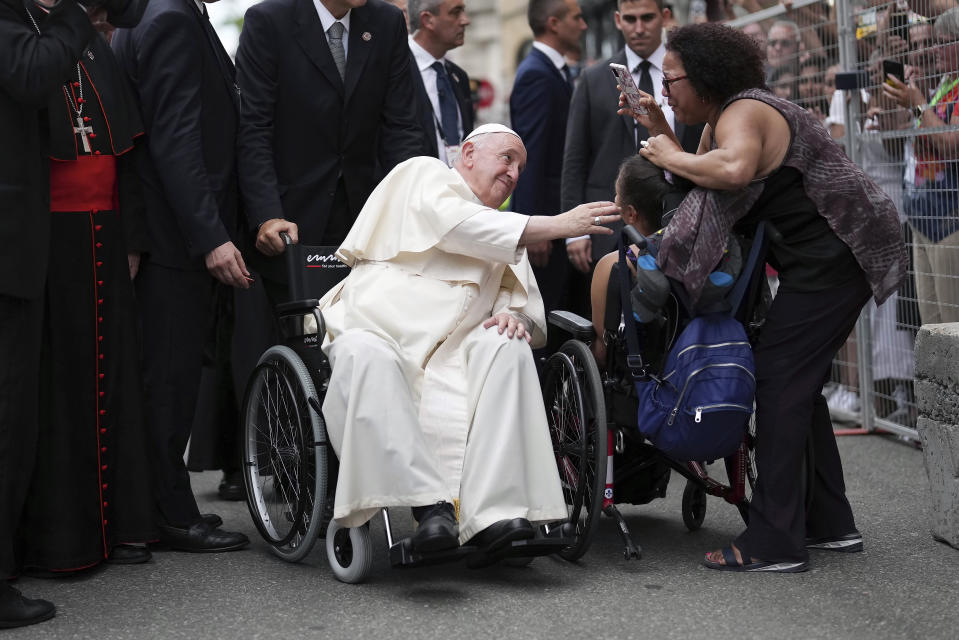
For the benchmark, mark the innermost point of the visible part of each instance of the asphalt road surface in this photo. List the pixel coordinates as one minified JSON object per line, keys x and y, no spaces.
{"x":905,"y":584}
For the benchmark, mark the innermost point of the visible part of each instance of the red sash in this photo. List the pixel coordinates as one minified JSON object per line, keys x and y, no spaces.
{"x":85,"y":184}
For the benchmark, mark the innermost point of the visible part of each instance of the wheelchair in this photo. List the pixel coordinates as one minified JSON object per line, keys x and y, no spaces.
{"x":289,"y":468}
{"x":602,"y":458}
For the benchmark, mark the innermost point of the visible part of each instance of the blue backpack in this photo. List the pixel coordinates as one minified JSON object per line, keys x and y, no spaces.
{"x":699,"y":407}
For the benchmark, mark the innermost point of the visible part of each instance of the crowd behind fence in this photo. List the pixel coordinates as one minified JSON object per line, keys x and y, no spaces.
{"x":834,"y":58}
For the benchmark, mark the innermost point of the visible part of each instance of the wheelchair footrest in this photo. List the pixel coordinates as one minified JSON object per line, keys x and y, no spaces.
{"x":402,"y":554}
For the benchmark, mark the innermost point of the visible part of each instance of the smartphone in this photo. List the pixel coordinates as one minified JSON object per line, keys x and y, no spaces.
{"x":625,"y":80}
{"x":893,"y":68}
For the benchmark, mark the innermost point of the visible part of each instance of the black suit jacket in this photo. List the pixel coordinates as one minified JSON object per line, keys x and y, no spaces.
{"x":539,"y":108}
{"x":424,"y":109}
{"x":303,"y":127}
{"x":597,"y":141}
{"x":31,"y":69}
{"x":188,"y":102}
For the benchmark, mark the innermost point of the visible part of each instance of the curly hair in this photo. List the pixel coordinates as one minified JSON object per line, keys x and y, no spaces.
{"x":720,"y":61}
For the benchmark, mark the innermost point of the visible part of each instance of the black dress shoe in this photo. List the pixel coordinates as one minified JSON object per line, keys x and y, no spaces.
{"x":17,"y":611}
{"x":437,"y":528}
{"x":211,"y":519}
{"x":231,"y":486}
{"x":129,"y":554}
{"x":202,"y":538}
{"x":501,"y":534}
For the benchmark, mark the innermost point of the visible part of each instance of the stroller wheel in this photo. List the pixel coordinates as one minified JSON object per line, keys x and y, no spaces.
{"x":694,"y":505}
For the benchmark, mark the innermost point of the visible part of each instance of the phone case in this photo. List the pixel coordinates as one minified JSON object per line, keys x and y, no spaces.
{"x":625,"y":80}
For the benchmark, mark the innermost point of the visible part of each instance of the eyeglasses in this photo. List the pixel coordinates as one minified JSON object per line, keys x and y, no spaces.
{"x":668,"y":81}
{"x":783,"y":42}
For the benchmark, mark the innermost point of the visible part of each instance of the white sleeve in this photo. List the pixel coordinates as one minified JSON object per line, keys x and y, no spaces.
{"x":489,"y":235}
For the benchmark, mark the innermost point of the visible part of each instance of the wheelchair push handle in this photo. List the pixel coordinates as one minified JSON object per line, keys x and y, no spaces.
{"x":632,"y":236}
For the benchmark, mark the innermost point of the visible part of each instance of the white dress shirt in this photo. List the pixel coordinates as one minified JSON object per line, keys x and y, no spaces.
{"x":424,"y":62}
{"x":554,"y":56}
{"x":327,"y":20}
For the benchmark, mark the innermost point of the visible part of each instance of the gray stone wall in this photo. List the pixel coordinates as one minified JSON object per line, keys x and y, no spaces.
{"x":937,"y":394}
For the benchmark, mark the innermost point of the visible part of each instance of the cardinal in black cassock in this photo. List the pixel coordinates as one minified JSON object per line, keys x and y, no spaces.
{"x":90,"y":496}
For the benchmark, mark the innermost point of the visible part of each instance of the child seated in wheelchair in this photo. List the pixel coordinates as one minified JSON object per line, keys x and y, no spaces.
{"x":646,"y":200}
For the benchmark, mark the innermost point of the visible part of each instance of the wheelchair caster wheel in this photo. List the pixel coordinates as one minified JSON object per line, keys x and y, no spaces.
{"x":694,"y":506}
{"x":350,"y":552}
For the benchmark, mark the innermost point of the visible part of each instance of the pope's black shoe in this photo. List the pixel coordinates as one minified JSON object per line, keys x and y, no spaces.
{"x":202,"y":538}
{"x":437,"y":528}
{"x":17,"y":611}
{"x":501,"y":534}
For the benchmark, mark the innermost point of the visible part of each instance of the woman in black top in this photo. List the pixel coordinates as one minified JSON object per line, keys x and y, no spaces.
{"x":834,"y":237}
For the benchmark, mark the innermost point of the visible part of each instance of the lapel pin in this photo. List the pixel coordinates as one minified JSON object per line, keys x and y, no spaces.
{"x":367,"y":36}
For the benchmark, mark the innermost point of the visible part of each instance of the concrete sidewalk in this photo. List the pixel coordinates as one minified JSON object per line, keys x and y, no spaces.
{"x":905,"y":585}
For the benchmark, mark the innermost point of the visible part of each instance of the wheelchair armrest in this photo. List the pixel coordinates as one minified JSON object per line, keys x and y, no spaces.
{"x":297,"y":307}
{"x":575,"y":325}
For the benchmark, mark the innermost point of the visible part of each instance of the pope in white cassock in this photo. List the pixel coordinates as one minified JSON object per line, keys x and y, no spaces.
{"x":434,"y":399}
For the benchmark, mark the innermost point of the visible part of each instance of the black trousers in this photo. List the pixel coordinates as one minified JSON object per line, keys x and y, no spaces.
{"x":176,"y":309}
{"x":21,"y":324}
{"x":802,"y":333}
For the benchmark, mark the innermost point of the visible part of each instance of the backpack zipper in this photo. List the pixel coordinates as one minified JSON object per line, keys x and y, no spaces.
{"x":679,"y":400}
{"x":739,"y":343}
{"x":731,"y":405}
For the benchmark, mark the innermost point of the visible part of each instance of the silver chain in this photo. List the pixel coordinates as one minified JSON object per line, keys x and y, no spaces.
{"x":77,"y":106}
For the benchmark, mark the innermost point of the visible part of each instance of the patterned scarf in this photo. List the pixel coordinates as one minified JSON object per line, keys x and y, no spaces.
{"x":855,"y":208}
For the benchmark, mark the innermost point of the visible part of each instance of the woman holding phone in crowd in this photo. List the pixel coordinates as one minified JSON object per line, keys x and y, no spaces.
{"x":834,"y":239}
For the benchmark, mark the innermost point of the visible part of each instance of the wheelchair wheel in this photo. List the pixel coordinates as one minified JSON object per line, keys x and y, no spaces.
{"x":694,"y":505}
{"x":576,"y":413}
{"x":284,"y":454}
{"x":350,"y":552}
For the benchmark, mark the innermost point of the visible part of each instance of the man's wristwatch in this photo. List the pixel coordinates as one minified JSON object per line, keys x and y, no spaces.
{"x":919,"y":109}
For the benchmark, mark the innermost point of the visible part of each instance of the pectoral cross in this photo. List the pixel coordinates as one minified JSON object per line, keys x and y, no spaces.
{"x":83,"y":131}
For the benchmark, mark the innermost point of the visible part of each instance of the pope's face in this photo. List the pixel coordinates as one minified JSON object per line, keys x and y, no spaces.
{"x":492,"y":168}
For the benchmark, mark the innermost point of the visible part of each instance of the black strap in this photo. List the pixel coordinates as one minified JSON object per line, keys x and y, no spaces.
{"x":747,"y":275}
{"x":634,"y":361}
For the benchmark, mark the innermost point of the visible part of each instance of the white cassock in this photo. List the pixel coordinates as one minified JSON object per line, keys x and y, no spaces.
{"x":424,"y":404}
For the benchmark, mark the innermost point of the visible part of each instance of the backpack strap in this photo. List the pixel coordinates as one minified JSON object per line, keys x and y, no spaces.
{"x":634,"y":361}
{"x":757,"y":255}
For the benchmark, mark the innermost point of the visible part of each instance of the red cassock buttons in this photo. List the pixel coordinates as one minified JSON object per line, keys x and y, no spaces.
{"x":81,"y":101}
{"x":97,"y":227}
{"x":93,"y":135}
{"x":103,"y":468}
{"x":99,"y":338}
{"x":103,"y":449}
{"x":103,"y":430}
{"x":98,"y":245}
{"x":106,"y":504}
{"x":105,"y":485}
{"x":100,"y":318}
{"x":102,"y":375}
{"x":100,"y":356}
{"x":86,"y":118}
{"x":105,"y":521}
{"x":103,"y":412}
{"x":99,"y":300}
{"x":96,"y":153}
{"x":99,"y":263}
{"x":100,"y":284}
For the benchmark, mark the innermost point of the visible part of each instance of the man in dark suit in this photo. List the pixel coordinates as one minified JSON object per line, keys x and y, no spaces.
{"x":443,"y":104}
{"x":539,"y":107}
{"x":35,"y":62}
{"x":327,"y":107}
{"x":597,"y":140}
{"x":184,"y":81}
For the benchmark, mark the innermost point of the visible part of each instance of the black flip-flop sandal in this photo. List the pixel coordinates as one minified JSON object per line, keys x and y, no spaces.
{"x":731,"y":563}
